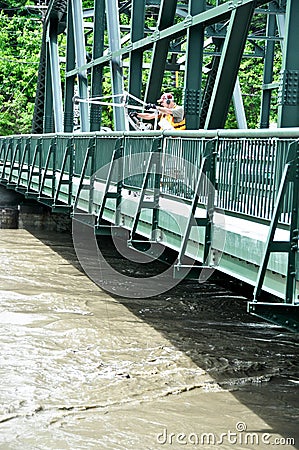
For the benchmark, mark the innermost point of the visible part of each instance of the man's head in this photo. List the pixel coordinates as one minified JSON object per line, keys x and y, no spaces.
{"x":166,"y":100}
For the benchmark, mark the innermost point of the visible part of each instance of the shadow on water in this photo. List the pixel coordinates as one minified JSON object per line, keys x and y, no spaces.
{"x":254,"y":360}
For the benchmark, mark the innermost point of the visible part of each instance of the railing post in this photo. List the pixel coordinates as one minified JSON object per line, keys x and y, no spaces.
{"x":286,"y":313}
{"x":207,"y":172}
{"x":153,"y":162}
{"x":35,"y":170}
{"x":116,"y":162}
{"x":88,"y":162}
{"x":51,"y":154}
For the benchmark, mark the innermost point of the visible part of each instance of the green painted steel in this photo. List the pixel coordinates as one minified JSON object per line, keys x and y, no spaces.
{"x":160,"y":50}
{"x":80,"y":52}
{"x":268,"y":70}
{"x":289,"y":180}
{"x":97,"y":71}
{"x":44,"y":107}
{"x":193,"y":79}
{"x":229,"y":64}
{"x":136,"y":56}
{"x":55,"y":78}
{"x":138,"y":46}
{"x":280,"y":314}
{"x":121,"y":54}
{"x":289,"y":86}
{"x":252,"y":174}
{"x":70,"y":81}
{"x":249,"y":169}
{"x":116,"y":68}
{"x":204,"y":192}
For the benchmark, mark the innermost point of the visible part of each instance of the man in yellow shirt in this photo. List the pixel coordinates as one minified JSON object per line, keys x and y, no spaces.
{"x":170,"y":116}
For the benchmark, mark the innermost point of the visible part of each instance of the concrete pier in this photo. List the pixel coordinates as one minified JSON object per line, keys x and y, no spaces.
{"x":9,"y":208}
{"x":18,"y":212}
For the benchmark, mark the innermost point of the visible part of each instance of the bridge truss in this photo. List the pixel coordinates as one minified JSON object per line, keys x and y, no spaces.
{"x":129,"y":50}
{"x":100,"y":60}
{"x":94,"y":176}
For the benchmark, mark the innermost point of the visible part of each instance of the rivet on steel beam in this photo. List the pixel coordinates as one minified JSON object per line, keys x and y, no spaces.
{"x":188,"y":21}
{"x":155,"y":36}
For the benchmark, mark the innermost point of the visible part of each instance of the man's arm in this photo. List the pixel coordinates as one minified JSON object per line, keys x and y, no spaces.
{"x":164,"y":110}
{"x":146,"y":116}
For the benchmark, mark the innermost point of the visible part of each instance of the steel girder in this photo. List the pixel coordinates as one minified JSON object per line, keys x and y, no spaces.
{"x":49,"y":72}
{"x":288,"y":110}
{"x":160,"y":50}
{"x":132,"y":47}
{"x":136,"y":59}
{"x":229,"y":64}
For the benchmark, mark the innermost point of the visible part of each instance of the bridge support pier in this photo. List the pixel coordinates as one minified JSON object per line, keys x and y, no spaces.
{"x":17,"y":212}
{"x":9,"y":198}
{"x":35,"y":216}
{"x":9,"y":211}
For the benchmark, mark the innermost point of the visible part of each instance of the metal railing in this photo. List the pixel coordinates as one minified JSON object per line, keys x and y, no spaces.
{"x":248,"y":164}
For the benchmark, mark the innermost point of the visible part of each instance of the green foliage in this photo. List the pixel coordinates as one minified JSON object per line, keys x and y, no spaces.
{"x":20,"y":43}
{"x":251,"y":78}
{"x":20,"y":39}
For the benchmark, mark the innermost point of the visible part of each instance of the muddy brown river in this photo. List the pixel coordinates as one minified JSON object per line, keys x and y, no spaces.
{"x":81,"y":369}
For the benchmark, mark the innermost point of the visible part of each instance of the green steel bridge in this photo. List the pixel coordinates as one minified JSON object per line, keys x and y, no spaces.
{"x":219,"y":199}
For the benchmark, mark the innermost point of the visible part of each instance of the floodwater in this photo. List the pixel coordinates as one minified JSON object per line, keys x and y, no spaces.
{"x":80,"y":369}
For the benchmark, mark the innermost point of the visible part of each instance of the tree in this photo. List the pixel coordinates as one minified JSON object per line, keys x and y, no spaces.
{"x":20,"y":40}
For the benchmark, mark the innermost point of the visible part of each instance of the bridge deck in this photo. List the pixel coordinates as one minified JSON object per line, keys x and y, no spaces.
{"x":209,"y":196}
